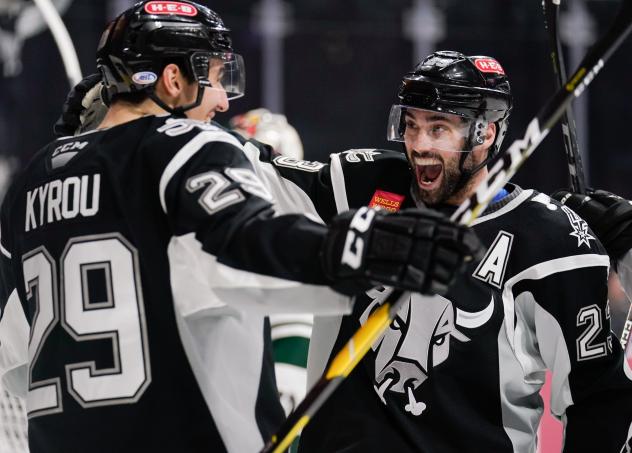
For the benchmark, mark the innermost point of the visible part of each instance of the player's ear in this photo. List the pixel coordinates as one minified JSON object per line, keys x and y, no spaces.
{"x":490,"y":135}
{"x":171,"y":80}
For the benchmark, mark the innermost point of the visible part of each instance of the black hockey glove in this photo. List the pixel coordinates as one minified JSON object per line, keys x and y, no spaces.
{"x":415,"y":249}
{"x":83,"y":109}
{"x":607,"y":214}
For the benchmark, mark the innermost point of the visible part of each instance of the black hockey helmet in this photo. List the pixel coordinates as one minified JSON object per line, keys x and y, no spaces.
{"x":138,"y":43}
{"x":473,"y":87}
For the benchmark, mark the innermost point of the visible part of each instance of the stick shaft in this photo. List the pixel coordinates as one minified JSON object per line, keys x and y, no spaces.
{"x":577,"y":180}
{"x":62,"y":39}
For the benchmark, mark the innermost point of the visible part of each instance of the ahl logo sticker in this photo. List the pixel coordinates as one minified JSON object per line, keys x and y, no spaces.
{"x":387,"y":200}
{"x":144,"y":77}
{"x":580,"y":227}
{"x":489,"y":65}
{"x":179,"y":8}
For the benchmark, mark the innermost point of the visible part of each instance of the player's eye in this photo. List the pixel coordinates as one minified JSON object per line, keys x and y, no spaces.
{"x":438,"y":129}
{"x":411,"y":125}
{"x":440,"y":339}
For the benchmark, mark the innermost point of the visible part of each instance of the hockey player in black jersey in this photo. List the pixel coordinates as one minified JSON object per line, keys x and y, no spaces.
{"x":445,"y":379}
{"x":139,"y":260}
{"x":456,"y":377}
{"x":610,"y":217}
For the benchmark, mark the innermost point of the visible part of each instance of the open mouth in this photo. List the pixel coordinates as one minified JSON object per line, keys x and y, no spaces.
{"x":428,"y":173}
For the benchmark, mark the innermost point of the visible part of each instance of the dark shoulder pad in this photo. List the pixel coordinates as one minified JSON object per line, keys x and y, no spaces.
{"x":557,"y":228}
{"x":376,"y":177}
{"x":534,"y":229}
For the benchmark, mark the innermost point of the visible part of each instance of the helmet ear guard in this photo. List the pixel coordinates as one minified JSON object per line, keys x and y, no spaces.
{"x":476,"y":138}
{"x":480,"y":129}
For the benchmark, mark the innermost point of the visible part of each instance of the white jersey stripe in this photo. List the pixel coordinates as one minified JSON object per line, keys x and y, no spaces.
{"x":220,"y":310}
{"x":513,"y":204}
{"x":338,"y":183}
{"x":540,"y":271}
{"x":289,"y":198}
{"x":629,"y":437}
{"x":4,"y":251}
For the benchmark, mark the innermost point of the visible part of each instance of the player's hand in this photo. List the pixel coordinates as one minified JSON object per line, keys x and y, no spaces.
{"x":607,"y":214}
{"x":83,"y":109}
{"x":415,"y":249}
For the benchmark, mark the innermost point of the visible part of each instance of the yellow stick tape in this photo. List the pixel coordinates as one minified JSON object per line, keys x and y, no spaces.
{"x":360,"y":343}
{"x":294,"y":432}
{"x":572,"y":84}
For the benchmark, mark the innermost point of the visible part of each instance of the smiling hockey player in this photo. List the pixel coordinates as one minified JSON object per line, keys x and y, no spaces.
{"x":445,"y":380}
{"x":464,"y":374}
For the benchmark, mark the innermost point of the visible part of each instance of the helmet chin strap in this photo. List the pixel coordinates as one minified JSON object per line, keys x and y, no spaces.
{"x":178,"y":111}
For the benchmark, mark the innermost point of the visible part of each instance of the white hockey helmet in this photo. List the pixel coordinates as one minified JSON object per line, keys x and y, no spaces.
{"x":271,"y":129}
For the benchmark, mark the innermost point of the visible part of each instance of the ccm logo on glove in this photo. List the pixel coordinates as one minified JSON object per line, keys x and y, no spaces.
{"x":354,"y":244}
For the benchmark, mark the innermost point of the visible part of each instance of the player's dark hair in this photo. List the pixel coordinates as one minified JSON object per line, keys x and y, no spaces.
{"x":140,"y":96}
{"x":137,"y":45}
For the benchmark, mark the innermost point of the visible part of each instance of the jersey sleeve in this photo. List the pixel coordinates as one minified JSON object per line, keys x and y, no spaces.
{"x":217,"y":196}
{"x":592,"y":377}
{"x":14,"y":328}
{"x":559,"y":308}
{"x":351,"y":179}
{"x":227,"y":232}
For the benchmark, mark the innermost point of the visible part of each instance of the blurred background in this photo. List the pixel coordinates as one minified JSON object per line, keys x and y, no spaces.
{"x":333,"y":68}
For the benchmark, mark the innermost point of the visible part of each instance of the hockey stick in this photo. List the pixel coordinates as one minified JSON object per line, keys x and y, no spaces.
{"x":575,"y":168}
{"x":627,"y":328}
{"x":62,"y":39}
{"x":343,"y":363}
{"x":503,"y":167}
{"x":506,"y":164}
{"x":551,"y":10}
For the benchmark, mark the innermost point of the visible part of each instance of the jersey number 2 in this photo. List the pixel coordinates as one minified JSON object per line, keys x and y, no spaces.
{"x":120,"y":318}
{"x":587,"y":348}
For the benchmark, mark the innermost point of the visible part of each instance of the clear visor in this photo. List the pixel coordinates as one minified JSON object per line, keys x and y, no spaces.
{"x":429,"y":130}
{"x":221,"y":71}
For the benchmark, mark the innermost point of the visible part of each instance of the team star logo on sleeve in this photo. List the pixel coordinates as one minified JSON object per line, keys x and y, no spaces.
{"x":580,"y":227}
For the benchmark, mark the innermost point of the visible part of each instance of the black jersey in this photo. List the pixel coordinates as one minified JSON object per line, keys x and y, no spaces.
{"x":142,"y":261}
{"x":462,"y":373}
